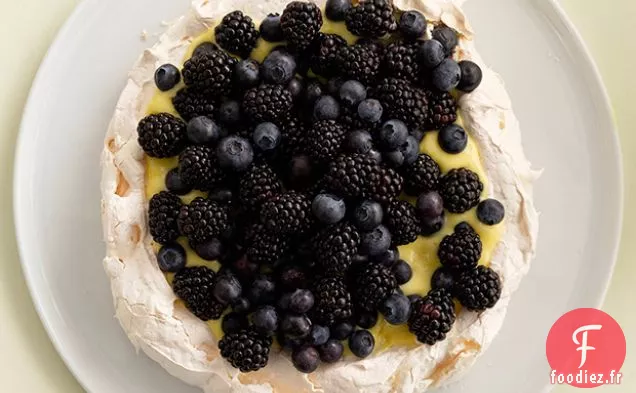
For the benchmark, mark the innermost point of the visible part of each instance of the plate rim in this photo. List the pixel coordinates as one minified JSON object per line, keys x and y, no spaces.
{"x":589,"y":68}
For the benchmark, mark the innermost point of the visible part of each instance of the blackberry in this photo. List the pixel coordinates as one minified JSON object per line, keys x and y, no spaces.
{"x":300,"y":22}
{"x":202,"y":220}
{"x":478,"y":289}
{"x":323,"y":54}
{"x":335,"y":247}
{"x":332,"y":301}
{"x":386,"y":185}
{"x":199,"y":168}
{"x":351,"y":176}
{"x":267,"y":103}
{"x":257,"y":185}
{"x":324,"y":140}
{"x":236,"y":34}
{"x":461,"y":250}
{"x":288,"y":213}
{"x":210,"y":73}
{"x":163,"y":211}
{"x":442,"y":109}
{"x":403,"y":101}
{"x":402,"y":220}
{"x":374,"y":284}
{"x":246,"y":350}
{"x":460,"y":189}
{"x":195,"y":285}
{"x":190,"y":104}
{"x":399,"y":61}
{"x":265,"y":247}
{"x":421,"y":176}
{"x":432,"y":317}
{"x":358,"y":62}
{"x":293,"y":137}
{"x":161,"y":135}
{"x":371,"y":18}
{"x":349,"y":118}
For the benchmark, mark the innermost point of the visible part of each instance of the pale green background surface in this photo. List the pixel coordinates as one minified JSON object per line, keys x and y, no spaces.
{"x":28,"y":361}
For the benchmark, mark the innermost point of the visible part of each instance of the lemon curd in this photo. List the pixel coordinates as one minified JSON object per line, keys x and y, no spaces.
{"x":421,"y":254}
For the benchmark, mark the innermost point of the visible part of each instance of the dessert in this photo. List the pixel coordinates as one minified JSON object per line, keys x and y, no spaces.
{"x":334,"y":198}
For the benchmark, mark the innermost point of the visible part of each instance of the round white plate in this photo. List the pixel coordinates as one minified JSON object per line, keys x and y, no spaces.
{"x":567,"y":130}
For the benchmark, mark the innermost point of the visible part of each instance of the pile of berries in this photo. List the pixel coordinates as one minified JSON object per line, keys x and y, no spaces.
{"x":304,"y":177}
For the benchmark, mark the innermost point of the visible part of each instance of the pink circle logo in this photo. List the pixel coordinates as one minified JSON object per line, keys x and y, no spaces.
{"x":586,"y":348}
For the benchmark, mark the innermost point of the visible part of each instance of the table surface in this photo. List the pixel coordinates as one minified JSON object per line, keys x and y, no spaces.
{"x":28,"y":361}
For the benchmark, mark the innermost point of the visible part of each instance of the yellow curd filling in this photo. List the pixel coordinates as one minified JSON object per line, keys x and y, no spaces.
{"x":421,"y":254}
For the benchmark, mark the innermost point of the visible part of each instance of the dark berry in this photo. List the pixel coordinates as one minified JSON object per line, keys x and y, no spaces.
{"x":284,"y":301}
{"x":266,"y":136}
{"x":342,"y":330}
{"x":325,"y":139}
{"x":210,"y":73}
{"x":366,"y":319}
{"x":336,"y":10}
{"x":326,"y":108}
{"x":370,"y":111}
{"x":461,"y":190}
{"x":443,"y":278}
{"x":300,"y":171}
{"x":371,"y":18}
{"x":412,"y":24}
{"x":236,"y":34}
{"x":403,"y":272}
{"x":387,"y":258}
{"x":175,"y":184}
{"x":446,"y":76}
{"x":221,"y":195}
{"x":394,"y":159}
{"x":301,"y":22}
{"x":257,"y":185}
{"x":262,"y":291}
{"x":161,"y":135}
{"x":166,"y":77}
{"x":400,"y":61}
{"x":306,"y":359}
{"x":403,"y":101}
{"x":202,"y":220}
{"x":199,"y":169}
{"x":452,"y":139}
{"x":432,"y":225}
{"x":352,"y":93}
{"x":241,"y":306}
{"x":312,"y":92}
{"x":490,"y":212}
{"x":359,"y":141}
{"x":332,"y":301}
{"x":478,"y":289}
{"x":265,"y":320}
{"x":430,"y":205}
{"x":430,"y":53}
{"x":278,"y":68}
{"x":194,"y":285}
{"x":328,"y":208}
{"x":267,"y":103}
{"x":432,"y":317}
{"x":471,"y":76}
{"x":376,"y":241}
{"x":204,"y":49}
{"x":296,"y":326}
{"x":374,"y":283}
{"x":230,"y":112}
{"x":247,"y":74}
{"x":171,"y":258}
{"x":421,"y":176}
{"x":402,"y":221}
{"x":460,"y":251}
{"x":396,"y":309}
{"x":331,"y":351}
{"x":362,"y":343}
{"x":270,"y":28}
{"x":319,"y":335}
{"x":210,"y":250}
{"x":447,"y":37}
{"x":334,"y":84}
{"x":375,"y":155}
{"x":234,"y":323}
{"x":368,"y":215}
{"x":296,"y":87}
{"x":288,"y":213}
{"x":322,"y":54}
{"x":227,"y":289}
{"x":393,"y":134}
{"x":358,"y":62}
{"x":202,"y":130}
{"x":191,"y":103}
{"x":235,"y":153}
{"x":414,"y":298}
{"x":301,"y":301}
{"x":246,"y":350}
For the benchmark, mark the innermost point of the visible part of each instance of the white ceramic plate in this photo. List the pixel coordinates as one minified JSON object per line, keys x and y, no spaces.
{"x":567,"y":130}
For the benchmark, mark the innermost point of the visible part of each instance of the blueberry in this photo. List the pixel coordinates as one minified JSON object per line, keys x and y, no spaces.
{"x":430,"y":205}
{"x":241,"y":305}
{"x":362,"y":343}
{"x":418,"y":135}
{"x":446,"y":76}
{"x":442,"y":279}
{"x":203,"y":130}
{"x":452,"y":139}
{"x":265,"y":320}
{"x":387,"y":258}
{"x":393,"y":134}
{"x":301,"y":301}
{"x":319,"y":335}
{"x":262,"y":291}
{"x":414,"y":298}
{"x":370,"y":111}
{"x":336,"y":10}
{"x":171,"y":258}
{"x":221,"y":195}
{"x":334,"y":84}
{"x":300,"y":171}
{"x":359,"y":141}
{"x":367,"y":320}
{"x":328,"y":208}
{"x":471,"y":76}
{"x":342,"y":330}
{"x":375,"y":155}
{"x":306,"y":359}
{"x":235,"y":153}
{"x":326,"y":108}
{"x":490,"y":212}
{"x":175,"y":184}
{"x":402,"y":271}
{"x":227,"y":289}
{"x":368,"y":215}
{"x":230,"y":112}
{"x":432,"y":225}
{"x":430,"y":53}
{"x":447,"y":37}
{"x":296,"y":326}
{"x":270,"y":28}
{"x":233,"y":323}
{"x":284,"y":301}
{"x":210,"y":250}
{"x":247,"y":73}
{"x":412,"y":24}
{"x":278,"y":68}
{"x":204,"y":49}
{"x":396,"y":309}
{"x":352,"y":93}
{"x":295,"y":87}
{"x":266,"y":136}
{"x":313,"y":91}
{"x":376,"y":241}
{"x":410,"y":150}
{"x":166,"y":77}
{"x":331,"y":351}
{"x":394,"y":159}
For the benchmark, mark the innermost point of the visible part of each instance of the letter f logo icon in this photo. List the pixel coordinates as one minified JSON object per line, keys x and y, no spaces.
{"x":583,"y":344}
